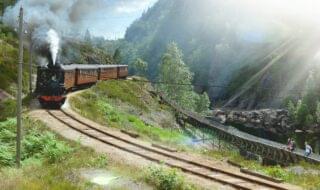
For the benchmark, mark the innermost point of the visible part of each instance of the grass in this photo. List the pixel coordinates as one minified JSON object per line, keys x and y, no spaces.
{"x":101,"y":104}
{"x":126,"y":91}
{"x":8,"y":60}
{"x":105,"y":106}
{"x":48,"y":162}
{"x":306,"y":181}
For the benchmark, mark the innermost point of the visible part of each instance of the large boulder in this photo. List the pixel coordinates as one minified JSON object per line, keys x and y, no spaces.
{"x":272,"y":120}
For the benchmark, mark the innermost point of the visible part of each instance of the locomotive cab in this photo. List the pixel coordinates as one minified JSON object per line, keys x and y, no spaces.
{"x":50,"y":86}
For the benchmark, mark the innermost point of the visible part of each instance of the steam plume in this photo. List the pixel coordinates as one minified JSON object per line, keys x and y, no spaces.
{"x":52,"y":21}
{"x":53,"y":40}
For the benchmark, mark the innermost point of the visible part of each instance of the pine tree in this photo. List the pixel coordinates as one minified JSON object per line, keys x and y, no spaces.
{"x":202,"y":103}
{"x":173,"y":71}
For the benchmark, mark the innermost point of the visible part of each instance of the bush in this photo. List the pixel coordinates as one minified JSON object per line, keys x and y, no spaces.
{"x":7,"y":109}
{"x":276,"y":172}
{"x":54,"y":151}
{"x":166,"y":179}
{"x":36,"y":143}
{"x":45,"y":146}
{"x":6,"y":156}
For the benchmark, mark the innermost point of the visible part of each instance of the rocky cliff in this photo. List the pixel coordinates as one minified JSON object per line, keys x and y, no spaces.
{"x":274,"y":121}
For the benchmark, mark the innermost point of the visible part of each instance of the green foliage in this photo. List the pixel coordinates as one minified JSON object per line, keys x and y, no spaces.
{"x":318,"y":112}
{"x":6,"y":155}
{"x":166,"y":179}
{"x":104,"y":103}
{"x":202,"y":103}
{"x":302,"y":113}
{"x":45,"y":145}
{"x":8,"y":60}
{"x":309,"y":120}
{"x":306,"y":111}
{"x":174,"y":71}
{"x":117,"y":56}
{"x":46,"y":159}
{"x":7,"y":109}
{"x":292,"y":110}
{"x":307,"y":181}
{"x":125,"y":91}
{"x":37,"y":144}
{"x":96,"y":106}
{"x":140,"y":67}
{"x":276,"y":172}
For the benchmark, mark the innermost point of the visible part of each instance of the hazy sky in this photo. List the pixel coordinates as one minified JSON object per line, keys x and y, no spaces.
{"x":112,"y":20}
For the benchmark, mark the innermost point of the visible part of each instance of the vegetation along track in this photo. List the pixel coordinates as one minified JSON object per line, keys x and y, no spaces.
{"x":237,"y":180}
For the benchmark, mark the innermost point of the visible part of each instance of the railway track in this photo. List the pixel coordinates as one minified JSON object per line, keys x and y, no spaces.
{"x":237,"y":180}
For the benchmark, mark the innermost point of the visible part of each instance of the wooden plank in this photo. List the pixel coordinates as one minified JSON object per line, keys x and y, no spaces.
{"x":131,"y":134}
{"x":247,"y":171}
{"x":165,"y":148}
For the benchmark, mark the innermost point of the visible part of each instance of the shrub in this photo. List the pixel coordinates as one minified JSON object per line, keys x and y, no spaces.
{"x":45,"y":146}
{"x":166,"y":179}
{"x":55,"y":150}
{"x":6,"y":156}
{"x":276,"y":172}
{"x":36,"y":143}
{"x":7,"y":109}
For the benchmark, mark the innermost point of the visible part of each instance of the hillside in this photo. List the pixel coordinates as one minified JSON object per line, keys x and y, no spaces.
{"x":132,"y":106}
{"x":248,"y":59}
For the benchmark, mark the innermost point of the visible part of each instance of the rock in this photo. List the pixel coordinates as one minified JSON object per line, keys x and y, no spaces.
{"x":276,"y":121}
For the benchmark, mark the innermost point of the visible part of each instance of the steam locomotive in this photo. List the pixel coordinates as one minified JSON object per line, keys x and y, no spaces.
{"x":55,"y":81}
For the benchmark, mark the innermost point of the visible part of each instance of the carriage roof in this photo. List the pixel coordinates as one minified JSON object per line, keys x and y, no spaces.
{"x":88,"y":67}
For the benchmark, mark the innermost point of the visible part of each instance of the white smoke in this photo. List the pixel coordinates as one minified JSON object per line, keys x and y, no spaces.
{"x":53,"y":40}
{"x":51,"y":21}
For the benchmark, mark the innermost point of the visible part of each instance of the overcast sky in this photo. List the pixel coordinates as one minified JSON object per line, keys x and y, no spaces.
{"x":115,"y":16}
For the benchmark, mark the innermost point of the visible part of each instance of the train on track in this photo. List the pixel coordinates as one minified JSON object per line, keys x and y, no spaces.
{"x":55,"y":81}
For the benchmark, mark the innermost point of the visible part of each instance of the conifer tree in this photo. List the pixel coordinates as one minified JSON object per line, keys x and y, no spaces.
{"x":175,"y":76}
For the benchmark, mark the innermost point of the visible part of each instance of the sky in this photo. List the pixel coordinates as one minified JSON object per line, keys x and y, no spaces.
{"x":112,"y":20}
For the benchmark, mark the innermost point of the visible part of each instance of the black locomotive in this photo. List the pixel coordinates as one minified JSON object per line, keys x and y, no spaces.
{"x":55,"y":81}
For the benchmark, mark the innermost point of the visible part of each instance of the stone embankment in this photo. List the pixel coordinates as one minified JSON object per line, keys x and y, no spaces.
{"x":275,"y":121}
